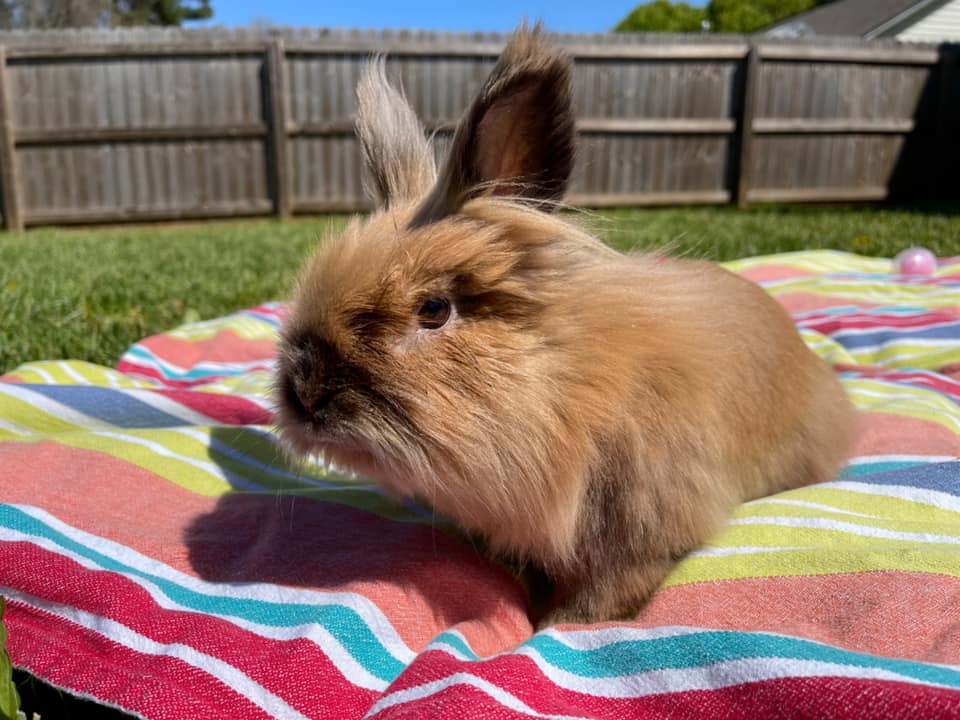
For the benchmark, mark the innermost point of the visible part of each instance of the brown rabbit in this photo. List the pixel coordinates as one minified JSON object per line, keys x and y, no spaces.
{"x":593,"y":416}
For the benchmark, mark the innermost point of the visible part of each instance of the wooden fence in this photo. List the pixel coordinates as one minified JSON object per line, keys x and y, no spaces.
{"x":101,"y":126}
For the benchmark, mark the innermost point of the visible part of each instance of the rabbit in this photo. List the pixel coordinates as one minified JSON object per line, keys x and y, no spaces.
{"x":592,"y":416}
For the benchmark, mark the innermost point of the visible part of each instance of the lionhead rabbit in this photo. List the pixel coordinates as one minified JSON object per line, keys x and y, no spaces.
{"x":592,"y":415}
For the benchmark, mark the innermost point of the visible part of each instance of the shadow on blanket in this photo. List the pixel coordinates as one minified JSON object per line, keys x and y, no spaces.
{"x":295,"y":541}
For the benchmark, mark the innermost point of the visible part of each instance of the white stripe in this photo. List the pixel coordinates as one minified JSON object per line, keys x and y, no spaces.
{"x":70,"y":372}
{"x":421,"y":692}
{"x":601,"y":637}
{"x":230,"y":676}
{"x":852,"y":528}
{"x":942,"y":500}
{"x":928,"y":382}
{"x":708,"y":677}
{"x":746,"y":550}
{"x":47,"y":377}
{"x":14,"y":428}
{"x":368,"y":611}
{"x":210,"y":468}
{"x":810,"y":505}
{"x":872,"y":459}
{"x":113,"y":379}
{"x":578,"y":640}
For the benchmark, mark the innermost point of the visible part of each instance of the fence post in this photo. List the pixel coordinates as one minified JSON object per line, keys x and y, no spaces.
{"x":277,"y":164}
{"x":9,"y":170}
{"x":745,"y":156}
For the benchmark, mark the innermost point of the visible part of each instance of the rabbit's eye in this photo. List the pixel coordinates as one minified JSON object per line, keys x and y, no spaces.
{"x":434,"y":313}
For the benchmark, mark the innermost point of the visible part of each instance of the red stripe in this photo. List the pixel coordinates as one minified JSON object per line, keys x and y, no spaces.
{"x":157,"y":687}
{"x":774,"y":272}
{"x":224,"y":346}
{"x":225,"y":409}
{"x":854,"y":610}
{"x":113,"y":596}
{"x":882,"y":433}
{"x":830,"y":324}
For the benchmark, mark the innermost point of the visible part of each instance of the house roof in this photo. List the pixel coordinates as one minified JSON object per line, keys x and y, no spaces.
{"x":863,"y":18}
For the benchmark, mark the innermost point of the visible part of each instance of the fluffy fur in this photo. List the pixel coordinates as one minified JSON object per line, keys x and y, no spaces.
{"x":592,"y":415}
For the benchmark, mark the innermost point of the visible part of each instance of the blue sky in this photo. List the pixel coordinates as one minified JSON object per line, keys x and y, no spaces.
{"x":559,"y":15}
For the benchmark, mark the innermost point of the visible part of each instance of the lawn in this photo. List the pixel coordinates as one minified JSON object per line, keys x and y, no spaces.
{"x":88,"y":293}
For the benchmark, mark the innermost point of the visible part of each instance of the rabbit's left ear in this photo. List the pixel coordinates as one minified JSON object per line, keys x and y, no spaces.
{"x":517,"y":138}
{"x":397,"y":155}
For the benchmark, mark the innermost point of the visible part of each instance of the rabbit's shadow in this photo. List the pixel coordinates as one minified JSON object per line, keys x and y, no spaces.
{"x":316,"y":543}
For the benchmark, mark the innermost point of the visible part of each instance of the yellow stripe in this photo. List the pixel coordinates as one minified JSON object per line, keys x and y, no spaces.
{"x":772,"y":534}
{"x":909,"y":355}
{"x":920,"y":403}
{"x":42,"y":372}
{"x":814,"y":261}
{"x":245,"y":327}
{"x":878,"y":292}
{"x":814,"y":562}
{"x":30,"y":417}
{"x":878,"y":507}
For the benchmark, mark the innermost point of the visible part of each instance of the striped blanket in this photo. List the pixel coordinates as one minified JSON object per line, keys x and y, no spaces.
{"x":158,"y":554}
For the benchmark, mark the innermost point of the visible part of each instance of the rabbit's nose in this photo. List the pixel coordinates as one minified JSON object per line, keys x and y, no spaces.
{"x":315,"y":401}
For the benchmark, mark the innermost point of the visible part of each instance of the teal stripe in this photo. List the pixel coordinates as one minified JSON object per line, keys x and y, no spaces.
{"x":340,"y":621}
{"x":630,"y":657}
{"x":877,"y":467}
{"x":455,"y":642}
{"x":704,"y":648}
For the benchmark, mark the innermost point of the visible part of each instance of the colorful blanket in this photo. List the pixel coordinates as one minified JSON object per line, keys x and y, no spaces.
{"x":159,"y":554}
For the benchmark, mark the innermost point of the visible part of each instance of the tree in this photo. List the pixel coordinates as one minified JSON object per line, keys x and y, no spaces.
{"x":44,"y":14}
{"x":729,"y":16}
{"x":160,"y":12}
{"x":663,"y":16}
{"x":746,"y":16}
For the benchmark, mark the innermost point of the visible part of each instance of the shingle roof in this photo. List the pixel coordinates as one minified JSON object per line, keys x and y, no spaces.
{"x":863,"y":18}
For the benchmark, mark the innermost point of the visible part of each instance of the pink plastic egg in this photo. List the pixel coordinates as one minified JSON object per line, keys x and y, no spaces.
{"x":915,"y":261}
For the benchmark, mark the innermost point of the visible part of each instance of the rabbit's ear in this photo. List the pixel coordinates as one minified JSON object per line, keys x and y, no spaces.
{"x":397,"y":155}
{"x":517,"y":138}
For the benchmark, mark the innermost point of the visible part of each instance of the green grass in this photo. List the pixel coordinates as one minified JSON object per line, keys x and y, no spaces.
{"x":88,"y":293}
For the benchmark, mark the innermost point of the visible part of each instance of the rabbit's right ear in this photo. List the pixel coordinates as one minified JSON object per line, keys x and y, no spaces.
{"x":397,"y":155}
{"x":517,"y":138}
